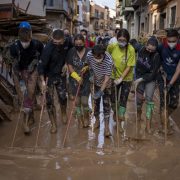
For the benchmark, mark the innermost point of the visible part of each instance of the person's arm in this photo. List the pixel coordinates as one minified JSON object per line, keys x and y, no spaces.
{"x":44,"y":61}
{"x":15,"y":55}
{"x":104,"y":84}
{"x":156,"y":65}
{"x":176,"y":74}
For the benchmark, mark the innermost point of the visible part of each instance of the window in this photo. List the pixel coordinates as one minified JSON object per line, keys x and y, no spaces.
{"x":51,"y":3}
{"x":155,"y":20}
{"x":162,"y":21}
{"x":173,"y":16}
{"x":102,"y":15}
{"x":96,"y":13}
{"x":78,"y":10}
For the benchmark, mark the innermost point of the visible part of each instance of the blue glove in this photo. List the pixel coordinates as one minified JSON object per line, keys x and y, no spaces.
{"x":98,"y":94}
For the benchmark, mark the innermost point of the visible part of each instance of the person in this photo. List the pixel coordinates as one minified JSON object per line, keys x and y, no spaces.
{"x":147,"y":67}
{"x":114,"y":39}
{"x":85,"y":35}
{"x":52,"y":73}
{"x":100,"y":65}
{"x":92,"y":40}
{"x":79,"y":76}
{"x":26,"y":54}
{"x":68,"y":38}
{"x":170,"y":61}
{"x":123,"y":56}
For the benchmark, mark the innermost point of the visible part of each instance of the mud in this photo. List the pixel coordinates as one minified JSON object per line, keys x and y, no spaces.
{"x":88,"y":155}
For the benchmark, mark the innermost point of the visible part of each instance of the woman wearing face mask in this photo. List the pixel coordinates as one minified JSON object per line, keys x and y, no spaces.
{"x":147,"y":67}
{"x":100,"y":64}
{"x":79,"y":74}
{"x":123,"y":55}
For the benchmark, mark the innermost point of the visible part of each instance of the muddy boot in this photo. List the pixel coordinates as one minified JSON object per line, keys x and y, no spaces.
{"x":139,"y":112}
{"x":52,"y":117}
{"x":121,"y":118}
{"x":79,"y":117}
{"x":31,"y":119}
{"x":80,"y":121}
{"x":149,"y":111}
{"x":64,"y":114}
{"x":106,"y":127}
{"x":97,"y":123}
{"x":26,"y":123}
{"x":86,"y":119}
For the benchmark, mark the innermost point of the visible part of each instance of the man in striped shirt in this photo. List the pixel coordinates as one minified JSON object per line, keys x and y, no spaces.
{"x":101,"y":64}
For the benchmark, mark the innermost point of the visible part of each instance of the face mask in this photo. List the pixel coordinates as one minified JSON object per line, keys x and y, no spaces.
{"x":172,"y":45}
{"x":122,"y":44}
{"x":98,"y":60}
{"x":25,"y":45}
{"x":84,"y":37}
{"x":79,"y":48}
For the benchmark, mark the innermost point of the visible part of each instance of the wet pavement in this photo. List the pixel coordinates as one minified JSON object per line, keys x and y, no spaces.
{"x":87,"y":154}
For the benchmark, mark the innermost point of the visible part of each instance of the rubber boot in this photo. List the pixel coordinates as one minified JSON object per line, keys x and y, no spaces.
{"x":106,"y":128}
{"x":140,"y":129}
{"x":31,"y":119}
{"x":121,"y":118}
{"x":26,"y":123}
{"x":79,"y":117}
{"x":149,"y":111}
{"x":86,"y":119}
{"x":52,"y":117}
{"x":64,"y":114}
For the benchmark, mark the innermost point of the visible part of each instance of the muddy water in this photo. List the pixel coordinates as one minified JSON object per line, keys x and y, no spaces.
{"x":87,"y":154}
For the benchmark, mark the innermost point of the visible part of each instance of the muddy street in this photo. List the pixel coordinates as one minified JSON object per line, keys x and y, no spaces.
{"x":86,"y":154}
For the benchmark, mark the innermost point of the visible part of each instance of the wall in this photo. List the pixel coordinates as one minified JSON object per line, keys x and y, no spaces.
{"x":36,"y":7}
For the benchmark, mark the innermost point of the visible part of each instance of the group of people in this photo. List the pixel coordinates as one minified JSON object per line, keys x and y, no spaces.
{"x":105,"y":72}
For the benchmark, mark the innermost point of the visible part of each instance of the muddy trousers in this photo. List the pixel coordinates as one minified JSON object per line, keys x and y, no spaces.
{"x":172,"y":100}
{"x":60,"y":87}
{"x":106,"y":99}
{"x":148,"y":89}
{"x":122,"y":97}
{"x":82,"y":111}
{"x":30,"y":80}
{"x":172,"y":95}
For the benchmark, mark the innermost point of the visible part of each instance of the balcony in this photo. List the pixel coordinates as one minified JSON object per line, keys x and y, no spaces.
{"x":159,"y":2}
{"x":94,"y":16}
{"x":137,"y":3}
{"x":127,"y":7}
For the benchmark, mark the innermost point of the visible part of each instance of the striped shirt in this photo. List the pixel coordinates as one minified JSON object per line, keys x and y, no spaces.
{"x":100,"y":69}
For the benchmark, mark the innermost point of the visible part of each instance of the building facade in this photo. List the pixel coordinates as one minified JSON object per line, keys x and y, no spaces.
{"x":148,"y":17}
{"x":61,"y":13}
{"x":102,"y":19}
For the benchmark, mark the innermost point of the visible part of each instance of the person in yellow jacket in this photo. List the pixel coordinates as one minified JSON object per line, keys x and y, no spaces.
{"x":123,"y":55}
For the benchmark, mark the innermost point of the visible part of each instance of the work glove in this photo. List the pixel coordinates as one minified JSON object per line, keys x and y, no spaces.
{"x":76,"y":77}
{"x":84,"y":69}
{"x":137,"y":81}
{"x":64,"y":70}
{"x":118,"y":81}
{"x":98,"y":94}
